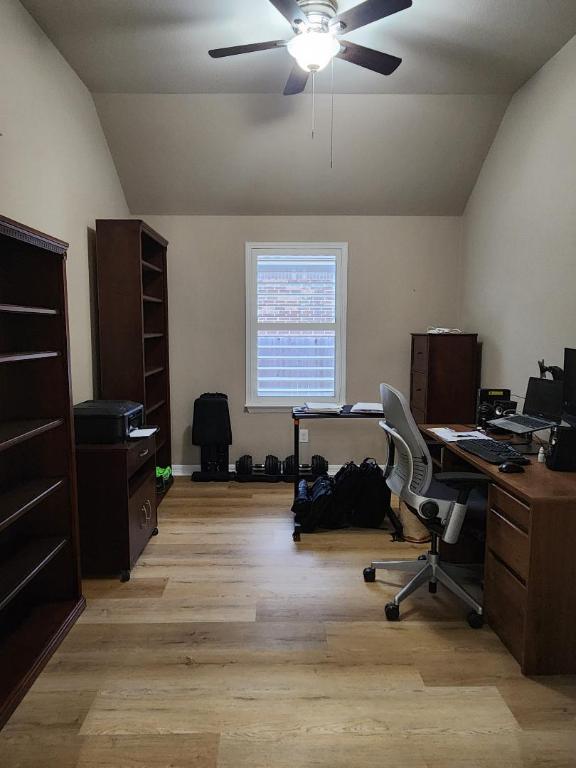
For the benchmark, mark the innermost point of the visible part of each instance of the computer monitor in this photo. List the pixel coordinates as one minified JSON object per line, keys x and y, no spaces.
{"x":544,"y":399}
{"x":570,"y":386}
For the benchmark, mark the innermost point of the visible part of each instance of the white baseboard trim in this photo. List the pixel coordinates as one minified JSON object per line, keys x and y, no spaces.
{"x":185,"y":470}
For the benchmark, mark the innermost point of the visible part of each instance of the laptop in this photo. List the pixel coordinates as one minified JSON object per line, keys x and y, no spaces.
{"x":542,"y":408}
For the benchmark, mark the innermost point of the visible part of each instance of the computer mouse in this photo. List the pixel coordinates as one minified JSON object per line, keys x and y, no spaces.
{"x":509,"y":467}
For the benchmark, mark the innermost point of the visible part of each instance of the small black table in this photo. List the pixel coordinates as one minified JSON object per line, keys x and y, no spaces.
{"x":301,"y":414}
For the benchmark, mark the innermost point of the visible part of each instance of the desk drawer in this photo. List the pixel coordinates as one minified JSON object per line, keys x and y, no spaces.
{"x":510,"y":508}
{"x":419,"y":387}
{"x":505,"y":605}
{"x":420,"y":353}
{"x":141,"y":452}
{"x":509,"y":543}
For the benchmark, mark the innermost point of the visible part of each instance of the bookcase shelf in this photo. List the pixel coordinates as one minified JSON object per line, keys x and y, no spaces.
{"x":17,"y":309}
{"x":23,"y":566}
{"x":18,"y":357}
{"x":153,"y":371}
{"x":133,"y":334}
{"x":20,"y":500}
{"x":14,"y":432}
{"x":40,"y":590}
{"x":148,"y":267}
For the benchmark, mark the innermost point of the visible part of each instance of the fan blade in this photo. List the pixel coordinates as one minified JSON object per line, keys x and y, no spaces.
{"x":291,"y":11}
{"x":296,"y":82}
{"x":219,"y":53}
{"x":367,"y":12}
{"x":383,"y":63}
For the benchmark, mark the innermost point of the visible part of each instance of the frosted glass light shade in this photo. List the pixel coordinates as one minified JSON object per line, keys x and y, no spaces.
{"x":313,"y":50}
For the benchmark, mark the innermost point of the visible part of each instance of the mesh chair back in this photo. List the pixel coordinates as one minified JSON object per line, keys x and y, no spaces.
{"x":412,"y":468}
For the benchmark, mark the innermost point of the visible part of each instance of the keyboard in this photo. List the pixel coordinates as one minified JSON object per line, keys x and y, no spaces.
{"x":527,"y":421}
{"x":492,"y":451}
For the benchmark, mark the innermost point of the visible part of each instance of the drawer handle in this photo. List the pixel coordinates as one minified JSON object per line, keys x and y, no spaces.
{"x":148,"y":504}
{"x":143,"y":453}
{"x":144,"y":522}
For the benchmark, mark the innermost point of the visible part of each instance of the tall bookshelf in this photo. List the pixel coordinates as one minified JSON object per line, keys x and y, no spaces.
{"x":133,"y":322}
{"x":40,"y":589}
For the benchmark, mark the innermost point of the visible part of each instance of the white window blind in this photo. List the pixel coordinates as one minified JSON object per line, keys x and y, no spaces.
{"x":296,"y":307}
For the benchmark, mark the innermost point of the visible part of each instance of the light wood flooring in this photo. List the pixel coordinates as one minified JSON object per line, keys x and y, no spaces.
{"x":233,"y":647}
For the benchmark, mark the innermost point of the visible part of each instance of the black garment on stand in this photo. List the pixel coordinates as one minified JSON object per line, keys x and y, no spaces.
{"x":211,"y":430}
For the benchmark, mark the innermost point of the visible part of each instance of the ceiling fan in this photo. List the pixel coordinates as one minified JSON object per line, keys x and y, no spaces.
{"x":317,"y":26}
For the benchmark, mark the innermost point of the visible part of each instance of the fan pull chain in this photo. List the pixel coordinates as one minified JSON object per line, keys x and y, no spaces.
{"x":313,"y":103}
{"x":332,"y":115}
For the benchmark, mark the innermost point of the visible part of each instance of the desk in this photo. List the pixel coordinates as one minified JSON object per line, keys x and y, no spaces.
{"x":530,"y":568}
{"x":301,"y":414}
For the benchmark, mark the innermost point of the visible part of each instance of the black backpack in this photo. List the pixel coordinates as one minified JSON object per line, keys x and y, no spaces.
{"x":315,"y":508}
{"x":363,"y":496}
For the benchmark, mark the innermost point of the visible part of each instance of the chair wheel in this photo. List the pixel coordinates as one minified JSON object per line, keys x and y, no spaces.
{"x":422,"y":557}
{"x":124,"y":576}
{"x":475,"y":620}
{"x":296,"y":536}
{"x":154,"y":532}
{"x":369,"y":575}
{"x":432,"y":587}
{"x":392,"y":611}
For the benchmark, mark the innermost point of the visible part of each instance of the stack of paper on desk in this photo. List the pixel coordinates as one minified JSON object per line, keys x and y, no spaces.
{"x":451,"y":436}
{"x":323,"y":407}
{"x":367,"y":408}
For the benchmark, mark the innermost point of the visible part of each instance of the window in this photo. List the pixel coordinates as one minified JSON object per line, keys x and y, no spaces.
{"x":295,"y":323}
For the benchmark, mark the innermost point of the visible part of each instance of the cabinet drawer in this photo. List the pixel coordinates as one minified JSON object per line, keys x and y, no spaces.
{"x":420,"y":353}
{"x":505,"y":605}
{"x":139,"y":453}
{"x":419,"y":388}
{"x":510,"y":508}
{"x":141,"y":516}
{"x":509,"y":543}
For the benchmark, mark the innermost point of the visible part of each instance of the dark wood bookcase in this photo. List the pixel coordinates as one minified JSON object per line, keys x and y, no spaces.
{"x":133,"y":322}
{"x":40,"y":589}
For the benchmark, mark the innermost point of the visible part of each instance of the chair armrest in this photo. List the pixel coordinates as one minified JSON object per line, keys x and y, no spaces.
{"x":463,"y":482}
{"x":459,"y":478}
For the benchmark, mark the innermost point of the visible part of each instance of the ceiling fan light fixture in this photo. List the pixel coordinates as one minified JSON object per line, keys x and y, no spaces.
{"x":313,"y":49}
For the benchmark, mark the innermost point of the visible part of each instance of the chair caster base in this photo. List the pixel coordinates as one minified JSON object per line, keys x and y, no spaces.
{"x":392,"y":611}
{"x":475,"y":620}
{"x":369,"y":575}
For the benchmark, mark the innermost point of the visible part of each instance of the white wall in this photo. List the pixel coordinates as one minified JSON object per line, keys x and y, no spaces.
{"x":402,"y":276}
{"x":519,"y":233}
{"x":56,"y":172}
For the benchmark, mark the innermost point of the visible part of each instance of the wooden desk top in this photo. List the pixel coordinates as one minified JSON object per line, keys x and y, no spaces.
{"x":536,"y":483}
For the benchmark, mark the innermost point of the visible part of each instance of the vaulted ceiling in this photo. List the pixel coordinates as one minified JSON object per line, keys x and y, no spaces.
{"x":190,"y":134}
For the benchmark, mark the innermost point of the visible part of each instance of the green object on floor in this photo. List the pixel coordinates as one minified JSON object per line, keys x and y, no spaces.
{"x":164,"y":478}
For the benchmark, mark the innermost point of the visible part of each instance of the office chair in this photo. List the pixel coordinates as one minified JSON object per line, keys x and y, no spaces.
{"x":409,"y":475}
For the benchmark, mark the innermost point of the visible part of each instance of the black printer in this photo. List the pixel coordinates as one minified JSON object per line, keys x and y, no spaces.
{"x":106,"y":421}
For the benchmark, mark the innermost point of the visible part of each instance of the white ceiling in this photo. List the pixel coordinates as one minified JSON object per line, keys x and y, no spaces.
{"x":253,"y":153}
{"x":160,"y":46}
{"x":190,"y":134}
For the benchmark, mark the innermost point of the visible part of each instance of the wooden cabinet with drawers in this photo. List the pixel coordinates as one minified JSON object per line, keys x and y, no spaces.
{"x":530,"y":576}
{"x":117,"y":505}
{"x":530,"y":567}
{"x":444,"y":378}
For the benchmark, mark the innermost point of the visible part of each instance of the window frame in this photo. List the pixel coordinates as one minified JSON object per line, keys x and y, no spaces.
{"x":281,"y":404}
